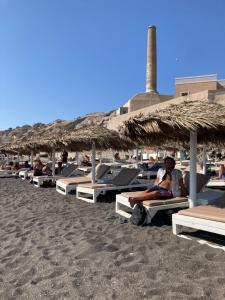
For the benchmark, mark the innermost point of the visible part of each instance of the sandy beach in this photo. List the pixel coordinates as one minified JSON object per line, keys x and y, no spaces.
{"x":56,"y":247}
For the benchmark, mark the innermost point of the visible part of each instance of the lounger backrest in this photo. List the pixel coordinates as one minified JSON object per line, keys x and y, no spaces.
{"x":155,"y":167}
{"x":202,"y":179}
{"x":198,"y":168}
{"x":125,"y":177}
{"x":100,"y":171}
{"x":66,"y":171}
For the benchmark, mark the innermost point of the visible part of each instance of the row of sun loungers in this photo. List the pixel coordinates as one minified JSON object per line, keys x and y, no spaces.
{"x":203,"y":217}
{"x":69,"y":185}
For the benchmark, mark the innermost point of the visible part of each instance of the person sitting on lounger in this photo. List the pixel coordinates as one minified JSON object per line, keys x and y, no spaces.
{"x":26,"y":165}
{"x":86,"y":161}
{"x":16,"y":166}
{"x":37,"y":168}
{"x":117,"y":156}
{"x":222,"y":171}
{"x":59,"y":168}
{"x":169,"y":183}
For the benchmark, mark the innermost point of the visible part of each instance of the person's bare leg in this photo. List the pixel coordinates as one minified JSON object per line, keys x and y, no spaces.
{"x":221,"y":171}
{"x":145,"y":196}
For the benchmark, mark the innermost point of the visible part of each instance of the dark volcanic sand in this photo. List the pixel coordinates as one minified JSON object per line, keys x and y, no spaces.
{"x":56,"y":247}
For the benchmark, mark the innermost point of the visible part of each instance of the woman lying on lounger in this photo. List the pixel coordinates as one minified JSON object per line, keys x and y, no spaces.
{"x":168,"y":184}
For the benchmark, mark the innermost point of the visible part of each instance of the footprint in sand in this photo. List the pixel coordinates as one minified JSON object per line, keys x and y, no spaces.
{"x":183,"y":289}
{"x":221,"y":280}
{"x":26,"y":277}
{"x":131,"y":263}
{"x":110,"y":248}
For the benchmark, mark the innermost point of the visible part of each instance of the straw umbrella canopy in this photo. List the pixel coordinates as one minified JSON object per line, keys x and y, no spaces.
{"x":104,"y":138}
{"x":177,"y":121}
{"x":96,"y":137}
{"x":7,"y":149}
{"x":42,"y":138}
{"x":180,"y":123}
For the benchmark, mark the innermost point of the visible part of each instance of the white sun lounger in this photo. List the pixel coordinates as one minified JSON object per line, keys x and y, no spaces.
{"x":205,"y":217}
{"x":153,"y":206}
{"x":69,"y":185}
{"x":6,"y":174}
{"x":216,"y":184}
{"x":68,"y":171}
{"x":6,"y":171}
{"x":23,"y":174}
{"x":126,"y":179}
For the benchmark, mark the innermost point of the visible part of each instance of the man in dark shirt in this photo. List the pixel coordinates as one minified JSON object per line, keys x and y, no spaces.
{"x":64,"y":156}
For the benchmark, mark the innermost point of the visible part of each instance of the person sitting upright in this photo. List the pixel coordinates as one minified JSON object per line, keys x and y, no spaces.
{"x":64,"y":156}
{"x":37,"y":168}
{"x":16,"y":166}
{"x":59,"y":168}
{"x":86,"y":161}
{"x":117,"y":156}
{"x":27,"y":165}
{"x":169,"y":183}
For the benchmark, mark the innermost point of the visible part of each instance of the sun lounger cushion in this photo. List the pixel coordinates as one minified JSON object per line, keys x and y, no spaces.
{"x":75,"y":180}
{"x":49,"y":176}
{"x":218,"y":180}
{"x":175,"y":200}
{"x":205,"y":212}
{"x":96,"y":185}
{"x":164,"y":202}
{"x":156,"y":202}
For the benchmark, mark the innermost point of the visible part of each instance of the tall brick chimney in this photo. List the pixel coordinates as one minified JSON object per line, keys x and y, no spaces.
{"x":151,"y":67}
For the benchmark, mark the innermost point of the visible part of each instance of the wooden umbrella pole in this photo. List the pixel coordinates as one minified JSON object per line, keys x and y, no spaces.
{"x":136,"y":157}
{"x":181,"y":154}
{"x":193,"y":178}
{"x":93,"y":162}
{"x":77,"y":157}
{"x":53,"y":161}
{"x":31,"y":158}
{"x":204,"y":159}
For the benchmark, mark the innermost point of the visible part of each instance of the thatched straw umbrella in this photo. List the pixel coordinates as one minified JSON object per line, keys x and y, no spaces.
{"x":32,"y":142}
{"x":179,"y":123}
{"x":96,"y":137}
{"x":83,"y":138}
{"x":86,"y":138}
{"x":6,"y":150}
{"x":44,"y":142}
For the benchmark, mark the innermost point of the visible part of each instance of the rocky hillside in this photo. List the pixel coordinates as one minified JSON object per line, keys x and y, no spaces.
{"x":26,"y":131}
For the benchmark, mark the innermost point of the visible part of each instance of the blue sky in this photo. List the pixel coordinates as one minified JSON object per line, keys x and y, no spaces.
{"x":60,"y":59}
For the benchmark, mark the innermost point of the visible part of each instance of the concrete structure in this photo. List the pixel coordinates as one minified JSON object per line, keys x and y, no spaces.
{"x":212,"y":96}
{"x":194,"y":84}
{"x":142,"y":100}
